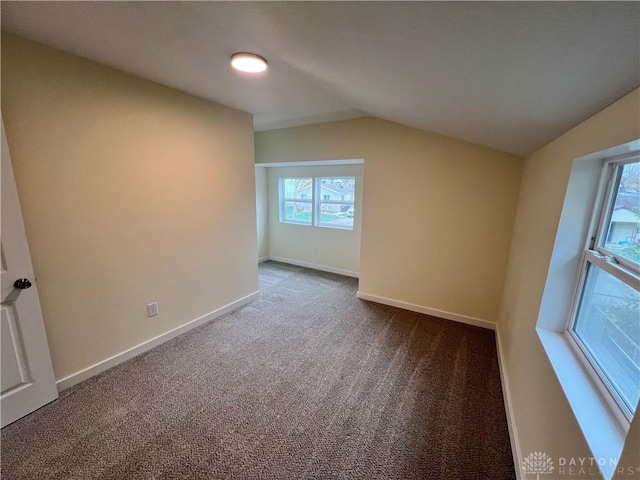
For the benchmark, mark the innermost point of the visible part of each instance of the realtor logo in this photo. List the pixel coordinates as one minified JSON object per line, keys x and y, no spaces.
{"x":538,"y":463}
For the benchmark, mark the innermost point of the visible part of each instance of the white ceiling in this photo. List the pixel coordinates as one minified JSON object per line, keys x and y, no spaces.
{"x":509,"y":75}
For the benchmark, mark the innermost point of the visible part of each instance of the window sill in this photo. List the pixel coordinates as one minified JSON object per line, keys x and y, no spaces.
{"x":602,"y":431}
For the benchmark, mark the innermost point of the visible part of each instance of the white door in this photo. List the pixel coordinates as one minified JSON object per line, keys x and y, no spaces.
{"x":26,"y":376}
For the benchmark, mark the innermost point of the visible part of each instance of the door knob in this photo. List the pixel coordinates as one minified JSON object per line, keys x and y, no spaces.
{"x":22,"y":283}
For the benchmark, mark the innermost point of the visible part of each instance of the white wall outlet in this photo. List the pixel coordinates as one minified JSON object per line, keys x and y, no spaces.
{"x":152,"y":309}
{"x":315,"y":250}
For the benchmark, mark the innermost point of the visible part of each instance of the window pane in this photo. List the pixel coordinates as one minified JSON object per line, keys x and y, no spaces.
{"x":298,"y":212}
{"x":336,"y":215}
{"x":336,"y":206}
{"x":297,"y":188}
{"x":623,"y":236}
{"x":337,"y":188}
{"x":608,"y":324}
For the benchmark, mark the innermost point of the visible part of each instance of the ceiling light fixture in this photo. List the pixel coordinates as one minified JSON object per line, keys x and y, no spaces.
{"x":248,"y":62}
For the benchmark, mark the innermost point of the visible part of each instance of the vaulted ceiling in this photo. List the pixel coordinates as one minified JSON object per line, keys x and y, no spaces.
{"x":509,"y":75}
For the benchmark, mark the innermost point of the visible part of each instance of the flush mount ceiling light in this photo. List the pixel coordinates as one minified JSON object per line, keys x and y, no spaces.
{"x":248,"y":62}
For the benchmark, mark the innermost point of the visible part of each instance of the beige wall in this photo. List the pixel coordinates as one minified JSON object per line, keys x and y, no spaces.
{"x":543,"y":418}
{"x":438,"y":213}
{"x":262,"y":212}
{"x":336,"y":249}
{"x":131,"y":193}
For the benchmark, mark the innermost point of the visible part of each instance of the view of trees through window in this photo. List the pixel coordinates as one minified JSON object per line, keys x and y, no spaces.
{"x":607,"y":319}
{"x":296,"y":201}
{"x":623,"y":234}
{"x":320,"y":201}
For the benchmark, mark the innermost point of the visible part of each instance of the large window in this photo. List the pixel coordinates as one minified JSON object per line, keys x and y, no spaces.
{"x":320,"y":201}
{"x":605,"y":323}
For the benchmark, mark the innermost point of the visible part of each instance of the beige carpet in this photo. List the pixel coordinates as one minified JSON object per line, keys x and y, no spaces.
{"x":305,"y":382}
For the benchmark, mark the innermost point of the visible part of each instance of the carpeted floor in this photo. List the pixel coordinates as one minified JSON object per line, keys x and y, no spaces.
{"x":305,"y":382}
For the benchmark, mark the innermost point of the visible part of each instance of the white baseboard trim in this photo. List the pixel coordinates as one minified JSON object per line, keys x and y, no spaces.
{"x":263,"y":259}
{"x":106,"y":364}
{"x":315,"y":266}
{"x":428,"y":311}
{"x":511,"y":423}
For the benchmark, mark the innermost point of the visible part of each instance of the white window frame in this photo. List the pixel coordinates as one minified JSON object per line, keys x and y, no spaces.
{"x":622,"y":269}
{"x":319,"y":201}
{"x":315,"y":201}
{"x":282,"y":200}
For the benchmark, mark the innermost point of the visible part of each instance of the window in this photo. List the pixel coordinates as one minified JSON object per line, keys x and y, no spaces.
{"x":296,"y":204}
{"x":334,"y":210}
{"x":605,"y":323}
{"x":319,"y":201}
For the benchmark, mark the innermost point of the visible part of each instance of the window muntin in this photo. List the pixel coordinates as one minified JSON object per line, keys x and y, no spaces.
{"x":319,"y":201}
{"x":606,"y":319}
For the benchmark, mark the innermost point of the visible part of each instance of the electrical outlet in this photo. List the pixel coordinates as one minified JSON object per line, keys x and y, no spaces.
{"x":315,"y":250}
{"x":152,"y":309}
